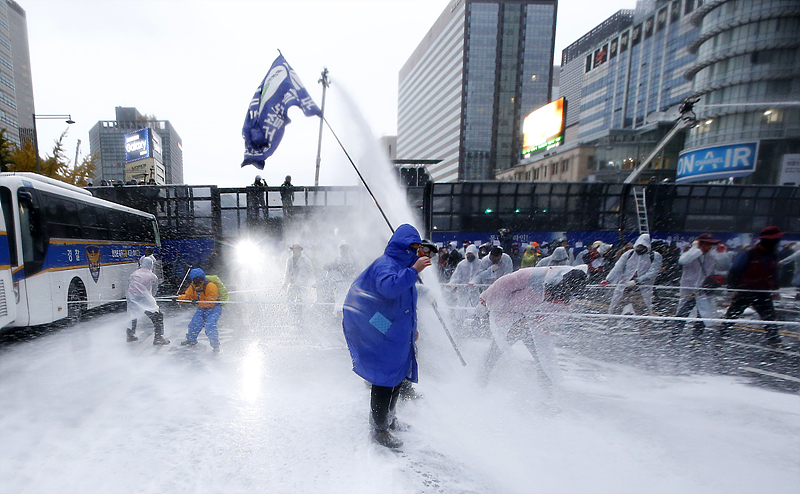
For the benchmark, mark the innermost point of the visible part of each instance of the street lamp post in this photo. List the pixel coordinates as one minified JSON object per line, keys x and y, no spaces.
{"x":36,"y":135}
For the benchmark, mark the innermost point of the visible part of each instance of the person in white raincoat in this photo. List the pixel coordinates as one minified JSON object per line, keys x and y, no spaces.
{"x":560,"y":257}
{"x":140,"y":296}
{"x":492,"y":267}
{"x":299,"y":277}
{"x":634,"y":274}
{"x":466,"y":294}
{"x":516,"y":303}
{"x":698,"y":263}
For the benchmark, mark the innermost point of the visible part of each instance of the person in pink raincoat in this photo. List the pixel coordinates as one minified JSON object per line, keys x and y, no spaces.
{"x":521,"y":308}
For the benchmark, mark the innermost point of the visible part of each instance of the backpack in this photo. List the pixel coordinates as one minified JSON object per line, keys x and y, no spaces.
{"x":223,"y":292}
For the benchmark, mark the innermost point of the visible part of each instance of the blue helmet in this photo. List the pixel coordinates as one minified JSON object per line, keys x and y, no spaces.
{"x":197,"y":273}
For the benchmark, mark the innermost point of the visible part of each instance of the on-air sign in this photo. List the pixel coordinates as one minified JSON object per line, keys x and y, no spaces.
{"x":137,"y":145}
{"x":717,"y":162}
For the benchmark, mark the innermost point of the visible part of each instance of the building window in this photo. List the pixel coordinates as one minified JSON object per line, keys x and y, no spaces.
{"x":771,"y":116}
{"x":565,"y":166}
{"x":553,"y":169}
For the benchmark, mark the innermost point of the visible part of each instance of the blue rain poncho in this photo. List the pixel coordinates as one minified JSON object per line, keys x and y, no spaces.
{"x":380,"y":317}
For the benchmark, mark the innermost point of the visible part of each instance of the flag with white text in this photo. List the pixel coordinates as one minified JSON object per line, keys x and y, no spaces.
{"x":267,"y":118}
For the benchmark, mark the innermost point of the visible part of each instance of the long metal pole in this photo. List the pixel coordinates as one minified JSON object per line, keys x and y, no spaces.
{"x":36,"y":144}
{"x":325,"y":84}
{"x":435,"y":309}
{"x":359,"y":175}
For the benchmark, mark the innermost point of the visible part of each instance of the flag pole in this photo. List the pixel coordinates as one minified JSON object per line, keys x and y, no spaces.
{"x":435,"y":309}
{"x":325,"y":83}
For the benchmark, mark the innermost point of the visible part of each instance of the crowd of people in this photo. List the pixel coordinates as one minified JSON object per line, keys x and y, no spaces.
{"x":516,"y":294}
{"x":651,"y":277}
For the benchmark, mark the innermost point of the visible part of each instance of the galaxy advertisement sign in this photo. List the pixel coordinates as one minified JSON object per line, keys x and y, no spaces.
{"x":544,"y":127}
{"x":137,"y":145}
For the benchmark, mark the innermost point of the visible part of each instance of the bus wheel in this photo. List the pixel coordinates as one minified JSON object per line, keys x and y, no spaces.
{"x":76,"y":301}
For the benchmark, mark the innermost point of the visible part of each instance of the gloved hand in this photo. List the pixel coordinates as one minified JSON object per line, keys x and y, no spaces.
{"x":495,"y":267}
{"x":696,"y":244}
{"x":604,"y":283}
{"x":630,"y":284}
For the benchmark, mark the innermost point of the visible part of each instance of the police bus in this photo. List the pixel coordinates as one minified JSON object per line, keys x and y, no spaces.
{"x":64,"y":251}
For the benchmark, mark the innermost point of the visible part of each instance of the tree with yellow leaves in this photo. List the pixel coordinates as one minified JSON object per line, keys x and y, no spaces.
{"x":23,"y":159}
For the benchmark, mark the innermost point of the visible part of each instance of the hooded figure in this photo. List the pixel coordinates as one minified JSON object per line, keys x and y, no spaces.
{"x":530,"y":257}
{"x":140,"y":297}
{"x":206,"y":294}
{"x":633,"y":272}
{"x":380,"y":326}
{"x":513,"y":302}
{"x":467,"y":268}
{"x":466,"y":295}
{"x":299,"y":274}
{"x":559,"y":258}
{"x":339,"y":274}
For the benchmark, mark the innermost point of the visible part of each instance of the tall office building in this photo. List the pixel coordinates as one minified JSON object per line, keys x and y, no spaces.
{"x":16,"y":87}
{"x":623,"y":82}
{"x":464,"y":92}
{"x":107,"y":142}
{"x":747,"y":76}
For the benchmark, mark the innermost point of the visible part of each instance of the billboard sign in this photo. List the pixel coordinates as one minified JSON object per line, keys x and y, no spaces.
{"x":137,"y":145}
{"x":717,"y":162}
{"x":790,"y":170}
{"x":156,"y":147}
{"x":544,"y":127}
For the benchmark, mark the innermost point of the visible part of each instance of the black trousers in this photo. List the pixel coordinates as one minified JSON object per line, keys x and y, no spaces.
{"x":158,"y":323}
{"x":762,"y":303}
{"x":383,"y":400}
{"x":683,"y":311}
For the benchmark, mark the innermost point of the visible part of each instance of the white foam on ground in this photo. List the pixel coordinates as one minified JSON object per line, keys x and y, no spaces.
{"x":280,"y":411}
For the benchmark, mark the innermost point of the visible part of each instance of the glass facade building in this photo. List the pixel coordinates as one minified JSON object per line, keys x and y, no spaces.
{"x":635,"y":76}
{"x":747,"y":74}
{"x":466,"y":89}
{"x":107,"y":142}
{"x":16,"y":86}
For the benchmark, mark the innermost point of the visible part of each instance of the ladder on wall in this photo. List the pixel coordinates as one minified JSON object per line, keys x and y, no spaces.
{"x":641,"y":210}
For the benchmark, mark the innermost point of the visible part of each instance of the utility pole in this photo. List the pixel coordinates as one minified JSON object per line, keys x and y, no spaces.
{"x":77,"y":150}
{"x":325,"y":83}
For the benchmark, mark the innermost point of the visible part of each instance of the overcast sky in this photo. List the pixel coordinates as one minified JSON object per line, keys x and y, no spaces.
{"x":198,"y":63}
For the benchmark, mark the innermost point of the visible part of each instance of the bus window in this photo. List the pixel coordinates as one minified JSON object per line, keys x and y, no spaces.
{"x":62,"y":217}
{"x":93,"y":221}
{"x":32,"y":233}
{"x":155,"y":232}
{"x":8,"y":216}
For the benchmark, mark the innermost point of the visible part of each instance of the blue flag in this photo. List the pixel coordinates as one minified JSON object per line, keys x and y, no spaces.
{"x":267,"y":115}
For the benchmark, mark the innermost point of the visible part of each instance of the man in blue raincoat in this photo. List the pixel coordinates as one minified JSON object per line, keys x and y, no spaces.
{"x":380,"y":326}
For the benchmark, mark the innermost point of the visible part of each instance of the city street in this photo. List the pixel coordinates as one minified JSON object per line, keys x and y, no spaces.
{"x":279,"y":410}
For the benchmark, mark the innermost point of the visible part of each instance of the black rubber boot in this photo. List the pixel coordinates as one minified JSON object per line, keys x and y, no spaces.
{"x":160,"y":340}
{"x":384,"y":438}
